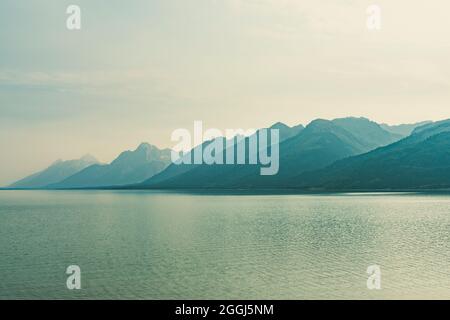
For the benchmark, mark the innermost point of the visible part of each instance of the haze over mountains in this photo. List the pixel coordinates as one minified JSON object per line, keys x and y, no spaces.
{"x":219,"y":172}
{"x":403,"y":129}
{"x":128,"y":168}
{"x":58,"y":171}
{"x":347,"y":153}
{"x":321,"y":143}
{"x":420,"y":161}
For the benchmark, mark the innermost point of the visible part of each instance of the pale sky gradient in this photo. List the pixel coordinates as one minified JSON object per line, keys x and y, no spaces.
{"x":139,"y":69}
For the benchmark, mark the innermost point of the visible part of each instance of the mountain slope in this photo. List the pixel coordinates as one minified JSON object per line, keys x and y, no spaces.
{"x":370,"y":133}
{"x":221,"y":171}
{"x":420,"y":161}
{"x":403,"y":129}
{"x":129,"y":167}
{"x":58,"y":171}
{"x":321,"y":143}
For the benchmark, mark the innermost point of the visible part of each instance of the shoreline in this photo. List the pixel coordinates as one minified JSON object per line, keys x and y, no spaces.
{"x":245,"y":191}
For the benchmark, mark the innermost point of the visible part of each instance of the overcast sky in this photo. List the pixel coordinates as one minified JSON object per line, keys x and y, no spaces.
{"x":139,"y":69}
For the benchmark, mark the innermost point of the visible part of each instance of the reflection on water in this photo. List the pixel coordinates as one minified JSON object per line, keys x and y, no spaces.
{"x":155,"y":245}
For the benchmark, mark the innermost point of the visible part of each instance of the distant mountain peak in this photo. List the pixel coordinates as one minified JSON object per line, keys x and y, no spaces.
{"x":145,"y":146}
{"x":129,"y":167}
{"x":56,"y":172}
{"x":360,"y":120}
{"x":420,"y":161}
{"x":286,"y":131}
{"x":319,"y":123}
{"x":89,"y":158}
{"x":280,"y":126}
{"x":356,"y":118}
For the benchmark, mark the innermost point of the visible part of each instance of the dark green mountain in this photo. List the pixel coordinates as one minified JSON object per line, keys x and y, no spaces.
{"x":58,"y":171}
{"x":420,"y":161}
{"x":321,"y":143}
{"x":129,"y":167}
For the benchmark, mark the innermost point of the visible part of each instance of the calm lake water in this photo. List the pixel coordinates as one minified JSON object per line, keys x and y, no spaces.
{"x":154,"y":245}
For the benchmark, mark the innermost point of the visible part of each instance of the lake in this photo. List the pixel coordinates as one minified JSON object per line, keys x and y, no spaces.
{"x":158,"y":245}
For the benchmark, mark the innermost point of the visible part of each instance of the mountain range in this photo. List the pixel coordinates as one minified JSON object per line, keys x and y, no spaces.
{"x":340,"y":154}
{"x":58,"y":171}
{"x":420,"y":161}
{"x":319,"y":144}
{"x":403,"y":129}
{"x":129,"y":167}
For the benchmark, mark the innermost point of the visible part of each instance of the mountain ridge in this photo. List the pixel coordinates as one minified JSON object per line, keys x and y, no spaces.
{"x":319,"y":144}
{"x":309,"y":157}
{"x":128,"y":168}
{"x":419,"y":161}
{"x":56,"y":172}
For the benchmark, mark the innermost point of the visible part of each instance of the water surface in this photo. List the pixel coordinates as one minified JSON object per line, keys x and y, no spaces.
{"x":155,"y":245}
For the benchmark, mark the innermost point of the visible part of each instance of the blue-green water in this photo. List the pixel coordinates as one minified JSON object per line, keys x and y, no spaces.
{"x":154,"y":245}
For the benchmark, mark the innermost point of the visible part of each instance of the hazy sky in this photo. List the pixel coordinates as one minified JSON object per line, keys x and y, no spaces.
{"x":139,"y":69}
